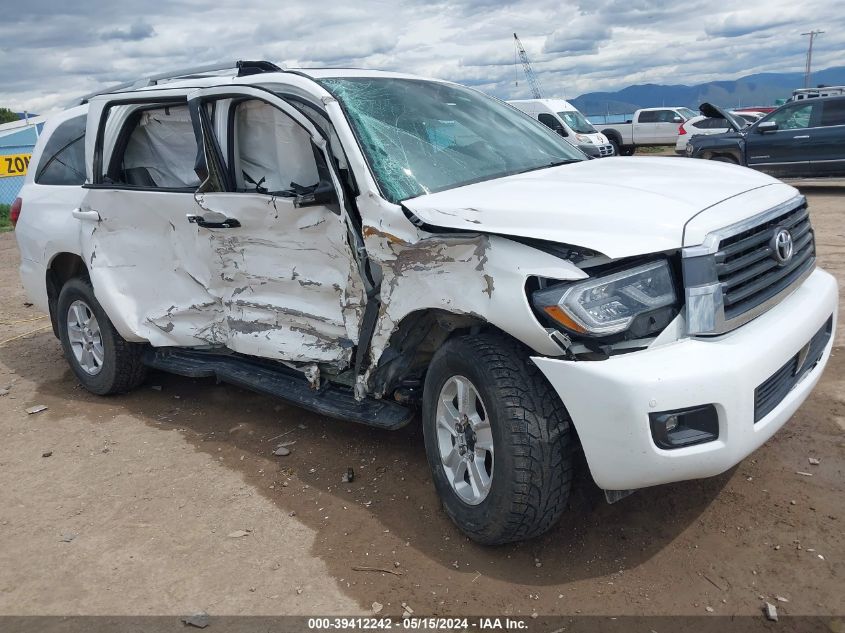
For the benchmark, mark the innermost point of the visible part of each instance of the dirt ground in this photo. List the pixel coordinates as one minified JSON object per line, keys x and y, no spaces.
{"x":138,"y":507}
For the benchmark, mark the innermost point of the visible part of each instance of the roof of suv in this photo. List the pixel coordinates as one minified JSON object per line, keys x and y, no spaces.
{"x":216,"y":78}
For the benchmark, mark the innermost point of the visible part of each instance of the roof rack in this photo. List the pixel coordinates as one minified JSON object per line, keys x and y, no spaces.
{"x":243,"y":67}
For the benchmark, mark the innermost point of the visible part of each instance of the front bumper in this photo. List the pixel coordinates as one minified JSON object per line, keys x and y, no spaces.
{"x":610,"y":400}
{"x":597,"y":151}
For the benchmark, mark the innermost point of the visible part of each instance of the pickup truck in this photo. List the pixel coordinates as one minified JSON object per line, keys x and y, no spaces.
{"x":389,"y":250}
{"x":647,"y":126}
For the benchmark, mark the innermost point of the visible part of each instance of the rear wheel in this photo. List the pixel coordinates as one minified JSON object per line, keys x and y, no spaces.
{"x":102,"y":360}
{"x":497,"y":439}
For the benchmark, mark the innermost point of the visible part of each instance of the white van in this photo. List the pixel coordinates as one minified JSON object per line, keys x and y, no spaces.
{"x":566,"y":120}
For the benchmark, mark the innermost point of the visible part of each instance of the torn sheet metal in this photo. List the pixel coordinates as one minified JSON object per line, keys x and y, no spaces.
{"x":472,"y":274}
{"x":145,"y":268}
{"x":281,"y":286}
{"x":286,"y":279}
{"x":285,"y":284}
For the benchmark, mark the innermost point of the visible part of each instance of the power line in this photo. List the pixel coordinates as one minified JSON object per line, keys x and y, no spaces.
{"x":809,"y":69}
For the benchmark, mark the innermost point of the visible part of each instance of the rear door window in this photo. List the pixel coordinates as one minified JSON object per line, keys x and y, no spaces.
{"x":833,"y":113}
{"x":667,"y":116}
{"x":649,"y":116}
{"x":63,"y":159}
{"x":157,"y":149}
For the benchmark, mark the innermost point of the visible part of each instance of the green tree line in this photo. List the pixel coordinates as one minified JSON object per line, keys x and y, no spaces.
{"x":7,"y":116}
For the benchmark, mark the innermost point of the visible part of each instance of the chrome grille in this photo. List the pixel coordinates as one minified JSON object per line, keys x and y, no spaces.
{"x":735,"y":274}
{"x":747,"y":269}
{"x":606,"y":150}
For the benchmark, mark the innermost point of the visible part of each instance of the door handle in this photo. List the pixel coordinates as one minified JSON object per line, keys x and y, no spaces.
{"x":89,"y":216}
{"x":222,"y":223}
{"x":803,"y":136}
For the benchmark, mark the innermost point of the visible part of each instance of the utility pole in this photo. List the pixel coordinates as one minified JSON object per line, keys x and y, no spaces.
{"x":809,"y":70}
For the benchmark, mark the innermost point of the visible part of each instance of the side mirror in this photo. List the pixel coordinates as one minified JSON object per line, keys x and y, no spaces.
{"x":767,"y":126}
{"x":322,"y":194}
{"x":561,"y":130}
{"x":677,"y":119}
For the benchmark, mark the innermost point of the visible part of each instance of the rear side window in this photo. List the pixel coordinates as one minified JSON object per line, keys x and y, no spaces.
{"x":711,"y":124}
{"x":63,"y":159}
{"x":157,"y":149}
{"x":658,"y":116}
{"x":833,"y":112}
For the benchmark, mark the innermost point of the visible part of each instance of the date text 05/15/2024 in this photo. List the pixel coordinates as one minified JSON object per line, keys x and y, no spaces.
{"x":418,"y":623}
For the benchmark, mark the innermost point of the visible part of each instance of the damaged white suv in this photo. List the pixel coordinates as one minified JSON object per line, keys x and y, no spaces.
{"x":358,"y":242}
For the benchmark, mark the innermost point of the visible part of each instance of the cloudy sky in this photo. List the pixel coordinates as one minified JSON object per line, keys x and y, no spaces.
{"x":53,"y":50}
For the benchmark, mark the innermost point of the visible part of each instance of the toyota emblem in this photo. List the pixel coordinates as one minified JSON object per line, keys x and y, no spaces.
{"x":782,"y":246}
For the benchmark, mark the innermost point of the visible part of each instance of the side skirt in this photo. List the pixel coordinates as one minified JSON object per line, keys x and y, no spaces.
{"x":331,"y":400}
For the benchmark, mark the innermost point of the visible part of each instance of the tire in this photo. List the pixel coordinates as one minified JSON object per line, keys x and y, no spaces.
{"x":725,"y":159}
{"x":528,"y":470}
{"x":628,"y":150}
{"x":616,"y":149}
{"x":112,"y":364}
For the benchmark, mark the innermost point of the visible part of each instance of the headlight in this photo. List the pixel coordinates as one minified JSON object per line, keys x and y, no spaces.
{"x":583,"y":139}
{"x":642,"y":299}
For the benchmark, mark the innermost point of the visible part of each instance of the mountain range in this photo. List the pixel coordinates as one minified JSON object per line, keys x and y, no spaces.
{"x":753,"y":90}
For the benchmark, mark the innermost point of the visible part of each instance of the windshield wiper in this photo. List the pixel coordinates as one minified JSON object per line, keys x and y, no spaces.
{"x":554,"y":163}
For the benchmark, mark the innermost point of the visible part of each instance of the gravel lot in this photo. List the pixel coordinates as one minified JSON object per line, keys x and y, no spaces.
{"x":139,"y":506}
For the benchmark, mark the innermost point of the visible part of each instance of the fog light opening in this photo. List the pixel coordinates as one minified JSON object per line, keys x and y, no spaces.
{"x":671,"y":423}
{"x":684,"y":427}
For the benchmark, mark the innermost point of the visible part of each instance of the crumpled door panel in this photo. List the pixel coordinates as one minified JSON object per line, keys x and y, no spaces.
{"x":144,"y":266}
{"x":287,"y":283}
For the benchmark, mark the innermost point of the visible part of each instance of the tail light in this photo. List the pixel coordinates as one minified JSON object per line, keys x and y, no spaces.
{"x":681,"y":130}
{"x":15,"y":211}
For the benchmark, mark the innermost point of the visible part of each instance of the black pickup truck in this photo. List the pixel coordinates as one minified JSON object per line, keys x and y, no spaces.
{"x":801,"y":139}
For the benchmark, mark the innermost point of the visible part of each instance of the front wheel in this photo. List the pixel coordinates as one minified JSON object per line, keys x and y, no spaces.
{"x":497,"y":438}
{"x":103,"y":361}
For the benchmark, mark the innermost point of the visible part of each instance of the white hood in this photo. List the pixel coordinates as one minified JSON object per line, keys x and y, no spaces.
{"x":620,"y":206}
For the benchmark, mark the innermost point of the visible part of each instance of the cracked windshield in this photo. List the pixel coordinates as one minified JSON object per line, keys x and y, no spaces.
{"x":423,"y":136}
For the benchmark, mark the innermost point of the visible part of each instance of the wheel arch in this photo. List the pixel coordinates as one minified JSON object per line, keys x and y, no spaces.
{"x":403,"y":364}
{"x":723,"y":154}
{"x":411,"y":346}
{"x":62,"y":267}
{"x":613,"y":135}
